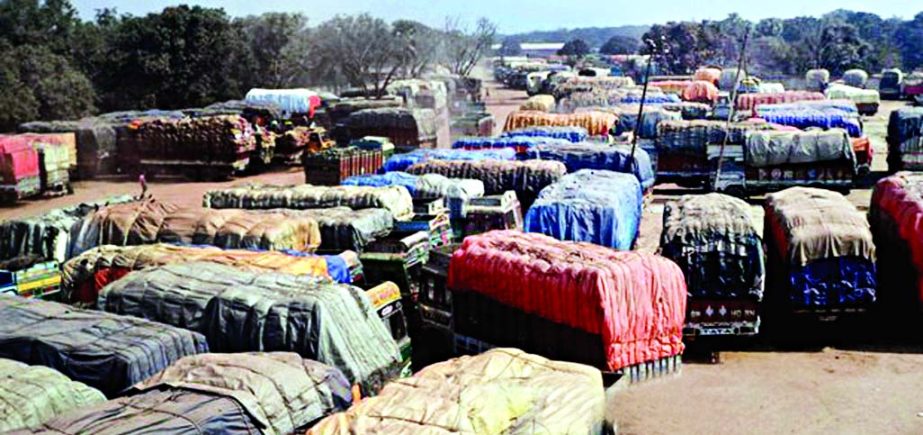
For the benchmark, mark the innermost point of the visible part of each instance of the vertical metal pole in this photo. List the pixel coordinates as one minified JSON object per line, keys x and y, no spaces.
{"x":647,"y":76}
{"x":733,"y":112}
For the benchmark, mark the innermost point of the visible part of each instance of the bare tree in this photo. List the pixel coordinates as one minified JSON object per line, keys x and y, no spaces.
{"x":422,"y":45}
{"x":465,"y":49}
{"x":363,"y":49}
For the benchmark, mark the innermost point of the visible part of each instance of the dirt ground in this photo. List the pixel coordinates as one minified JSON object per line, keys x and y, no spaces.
{"x":821,"y":389}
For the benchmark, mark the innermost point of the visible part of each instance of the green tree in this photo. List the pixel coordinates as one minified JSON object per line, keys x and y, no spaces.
{"x":422,"y":45}
{"x":575,"y":48}
{"x":510,"y":47}
{"x":909,"y":40}
{"x":278,"y":44}
{"x":619,"y":44}
{"x":48,"y":23}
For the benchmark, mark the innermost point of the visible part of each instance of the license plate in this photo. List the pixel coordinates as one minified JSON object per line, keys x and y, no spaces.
{"x":717,"y":331}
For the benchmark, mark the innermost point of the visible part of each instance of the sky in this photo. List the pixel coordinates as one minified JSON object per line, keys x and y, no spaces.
{"x":515,"y":16}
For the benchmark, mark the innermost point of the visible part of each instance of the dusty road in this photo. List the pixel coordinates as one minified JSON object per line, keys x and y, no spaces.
{"x":822,"y":389}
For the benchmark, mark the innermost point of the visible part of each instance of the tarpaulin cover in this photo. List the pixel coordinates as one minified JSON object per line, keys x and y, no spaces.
{"x":573,"y":134}
{"x":541,"y":103}
{"x":772,"y":148}
{"x":65,"y":140}
{"x":269,"y":111}
{"x":709,"y":75}
{"x":85,"y":275}
{"x":598,"y":156}
{"x":846,"y":106}
{"x":714,"y":241}
{"x":855,"y":77}
{"x":151,"y":221}
{"x":48,"y":235}
{"x":420,"y":186}
{"x":840,"y":281}
{"x":291,"y":101}
{"x":770,"y":88}
{"x":727,"y":77}
{"x":95,"y":142}
{"x":343,"y":108}
{"x":156,"y":412}
{"x":635,"y":301}
{"x":18,"y":160}
{"x":601,"y":207}
{"x":29,"y":395}
{"x":209,"y":139}
{"x":746,"y":102}
{"x":856,"y":95}
{"x":105,"y":351}
{"x":400,"y":162}
{"x":395,"y":199}
{"x":513,"y":142}
{"x":651,"y":99}
{"x":527,"y":178}
{"x":596,"y":123}
{"x":342,"y":228}
{"x":502,"y":391}
{"x":701,"y":91}
{"x":809,"y":224}
{"x":905,"y":139}
{"x":395,"y":178}
{"x":670,"y":86}
{"x":241,"y":311}
{"x":896,"y":215}
{"x":693,"y":137}
{"x":817,"y":79}
{"x":420,"y":121}
{"x":280,"y":390}
{"x":628,"y":120}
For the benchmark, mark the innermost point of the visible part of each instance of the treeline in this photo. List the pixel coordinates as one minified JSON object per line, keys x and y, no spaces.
{"x":836,"y":41}
{"x":57,"y":66}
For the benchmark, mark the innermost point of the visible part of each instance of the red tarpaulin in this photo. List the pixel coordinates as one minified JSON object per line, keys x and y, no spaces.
{"x":635,"y":301}
{"x":18,"y":159}
{"x":749,"y":101}
{"x":899,"y":198}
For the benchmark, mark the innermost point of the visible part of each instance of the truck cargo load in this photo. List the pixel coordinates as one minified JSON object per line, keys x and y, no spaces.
{"x":421,"y":186}
{"x":894,"y":213}
{"x":468,"y":395}
{"x":905,"y":139}
{"x":395,"y":199}
{"x":31,"y":395}
{"x":596,"y":123}
{"x":616,"y":158}
{"x":571,"y":301}
{"x":297,"y":101}
{"x":413,"y":128}
{"x":19,"y":169}
{"x":518,"y":143}
{"x":714,"y":241}
{"x":400,"y":162}
{"x":240,"y":311}
{"x":342,"y":228}
{"x":94,"y":143}
{"x":595,"y":206}
{"x":746,"y":102}
{"x":820,"y":252}
{"x":867,"y":100}
{"x":102,"y":350}
{"x":572,"y":134}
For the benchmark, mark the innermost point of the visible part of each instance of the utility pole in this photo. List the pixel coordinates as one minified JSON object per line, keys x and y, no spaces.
{"x":652,"y":46}
{"x":733,"y":112}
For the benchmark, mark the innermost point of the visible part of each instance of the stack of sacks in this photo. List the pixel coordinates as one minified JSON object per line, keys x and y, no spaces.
{"x":151,"y":221}
{"x":527,"y":178}
{"x":820,"y":250}
{"x":213,"y":140}
{"x":402,"y":126}
{"x":854,"y":94}
{"x":845,"y":106}
{"x":805,"y":116}
{"x":606,"y":98}
{"x":502,"y":391}
{"x":291,"y":101}
{"x":541,"y":103}
{"x":231,"y":393}
{"x":400,"y":162}
{"x":102,"y":350}
{"x":423,"y":186}
{"x":601,"y":207}
{"x":676,"y":87}
{"x":635,"y":98}
{"x":714,"y":241}
{"x":573,"y":301}
{"x":583,"y":84}
{"x":30,"y":395}
{"x":708,"y":74}
{"x":47,"y":236}
{"x":263,"y":111}
{"x":905,"y":139}
{"x":895,"y":215}
{"x":855,"y":78}
{"x":597,"y":156}
{"x":395,"y":199}
{"x":94,"y":142}
{"x":573,"y":134}
{"x":773,"y":148}
{"x":653,"y":115}
{"x":517,"y":143}
{"x":746,"y":102}
{"x":241,"y":311}
{"x":342,"y":228}
{"x":693,"y":137}
{"x":817,"y":79}
{"x":701,"y":92}
{"x":687,"y":109}
{"x":86,"y":274}
{"x":596,"y":123}
{"x":19,"y":167}
{"x":341,"y":110}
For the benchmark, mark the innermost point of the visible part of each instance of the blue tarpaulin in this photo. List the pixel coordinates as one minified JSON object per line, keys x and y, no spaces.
{"x":651,"y":99}
{"x":573,"y":134}
{"x":400,"y":162}
{"x":833,"y":282}
{"x":597,"y":156}
{"x":601,"y":207}
{"x":395,"y":178}
{"x":807,"y":117}
{"x":515,"y":142}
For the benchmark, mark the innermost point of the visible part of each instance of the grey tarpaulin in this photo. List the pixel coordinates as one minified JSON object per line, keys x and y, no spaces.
{"x":48,"y":235}
{"x":240,"y":311}
{"x":395,"y":199}
{"x":105,"y":351}
{"x":156,"y":412}
{"x":771,"y":148}
{"x":280,"y":390}
{"x":714,"y":241}
{"x":96,"y":142}
{"x":502,"y":391}
{"x":29,"y":395}
{"x":342,"y":228}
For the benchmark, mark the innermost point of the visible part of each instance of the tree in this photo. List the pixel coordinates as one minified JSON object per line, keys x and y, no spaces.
{"x":279,"y":46}
{"x":685,"y":45}
{"x":909,"y":40}
{"x":465,"y":49}
{"x":510,"y":47}
{"x":574,"y":48}
{"x":421,"y":44}
{"x":836,"y":46}
{"x":48,"y":23}
{"x":362,"y":48}
{"x":770,"y":27}
{"x":619,"y":44}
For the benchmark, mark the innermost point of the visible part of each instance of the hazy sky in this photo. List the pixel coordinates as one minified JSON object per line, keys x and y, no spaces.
{"x":514,"y":16}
